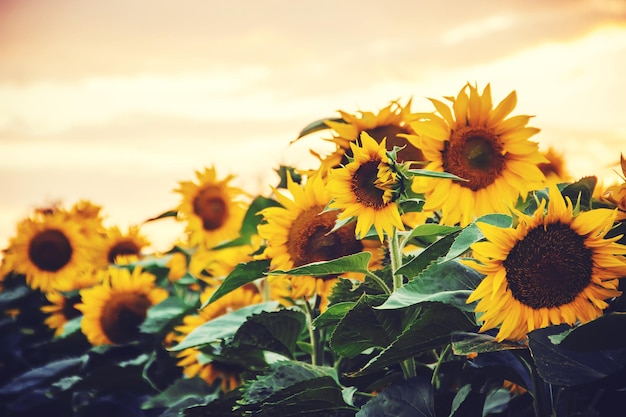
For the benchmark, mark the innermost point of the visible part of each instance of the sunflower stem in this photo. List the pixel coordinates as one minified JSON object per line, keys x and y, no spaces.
{"x":541,"y":402}
{"x":315,"y":355}
{"x":434,"y":380}
{"x":395,"y":255}
{"x":380,"y":282}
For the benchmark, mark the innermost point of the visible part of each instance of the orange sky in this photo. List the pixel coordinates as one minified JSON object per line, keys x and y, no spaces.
{"x":117,"y":101}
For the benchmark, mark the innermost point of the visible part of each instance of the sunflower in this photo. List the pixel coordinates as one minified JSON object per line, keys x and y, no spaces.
{"x":48,"y":249}
{"x":365,"y":189}
{"x":390,"y":123}
{"x":114,"y":310}
{"x":554,"y":267}
{"x":476,"y":143}
{"x":62,"y":302}
{"x":227,"y":373}
{"x":554,"y":170}
{"x":300,"y":232}
{"x":119,"y":244}
{"x":212,"y":208}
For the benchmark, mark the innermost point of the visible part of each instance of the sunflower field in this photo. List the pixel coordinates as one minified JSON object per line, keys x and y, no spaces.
{"x":436,"y":264}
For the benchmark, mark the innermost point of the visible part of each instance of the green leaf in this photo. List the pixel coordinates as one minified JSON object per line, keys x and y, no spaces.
{"x":434,"y":174}
{"x":599,"y":334}
{"x":161,"y":316}
{"x":222,"y":327}
{"x":364,"y":327}
{"x":411,"y":398}
{"x":71,"y":327}
{"x":431,"y":229}
{"x":316,"y":126}
{"x":165,"y":214}
{"x":275,"y":331}
{"x":249,"y":223}
{"x":581,"y":189}
{"x":282,"y":375}
{"x":293,"y":388}
{"x":560,"y":366}
{"x":283,"y":171}
{"x":429,"y":255}
{"x":333,"y":315}
{"x":472,"y":234}
{"x":178,"y":392}
{"x":42,"y":376}
{"x":357,"y":262}
{"x":465,"y":343}
{"x":431,"y":329}
{"x":449,"y":282}
{"x":241,"y":274}
{"x":458,"y":399}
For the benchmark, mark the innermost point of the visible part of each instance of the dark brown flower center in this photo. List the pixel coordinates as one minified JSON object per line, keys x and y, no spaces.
{"x":121,"y":248}
{"x":391,"y":132}
{"x":122,"y":316}
{"x":474,"y":154}
{"x":549,"y":267}
{"x":210,"y":206}
{"x":310,"y":241}
{"x":364,"y":188}
{"x":50,"y":250}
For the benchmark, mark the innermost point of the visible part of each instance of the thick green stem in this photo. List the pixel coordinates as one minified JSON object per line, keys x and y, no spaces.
{"x":380,"y":282}
{"x":395,"y":255}
{"x":540,"y":398}
{"x":315,"y":354}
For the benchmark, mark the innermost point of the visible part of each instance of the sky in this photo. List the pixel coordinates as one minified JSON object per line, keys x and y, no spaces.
{"x":119,"y":101}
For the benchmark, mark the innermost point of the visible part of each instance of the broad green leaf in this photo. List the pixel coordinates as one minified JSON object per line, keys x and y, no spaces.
{"x":333,"y":315}
{"x":357,"y":262}
{"x":314,"y":397}
{"x":430,"y":229}
{"x":250,"y":222}
{"x":431,"y":329}
{"x":316,"y":126}
{"x":472,"y":234}
{"x":180,"y":390}
{"x":161,"y":316}
{"x":282,"y":375}
{"x":42,"y":376}
{"x":242,"y":274}
{"x":222,"y":327}
{"x":507,"y":365}
{"x":430,"y":254}
{"x":599,"y":334}
{"x":411,"y":398}
{"x":560,"y":366}
{"x":581,"y":191}
{"x":364,"y":327}
{"x":449,"y":282}
{"x":466,"y":343}
{"x":275,"y":331}
{"x":252,"y":218}
{"x":292,"y":388}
